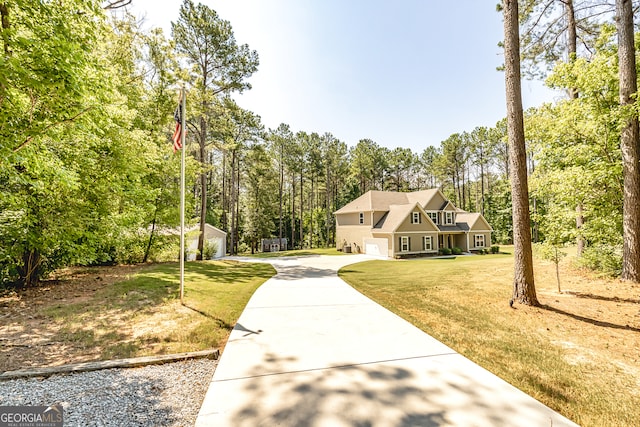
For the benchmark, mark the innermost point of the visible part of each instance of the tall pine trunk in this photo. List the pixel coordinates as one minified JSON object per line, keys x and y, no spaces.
{"x":232,"y":205}
{"x":225,"y":198}
{"x":293,"y":210}
{"x":203,"y":191}
{"x":629,"y":144}
{"x":237,"y":199}
{"x":482,"y":197}
{"x":327,"y":202}
{"x":301,"y":210}
{"x":572,"y":51}
{"x":280,"y":194}
{"x":524,"y":290}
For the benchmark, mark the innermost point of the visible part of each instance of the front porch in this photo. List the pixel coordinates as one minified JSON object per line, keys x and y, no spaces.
{"x":452,"y":240}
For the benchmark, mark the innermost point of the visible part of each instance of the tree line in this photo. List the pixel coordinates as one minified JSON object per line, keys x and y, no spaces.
{"x":88,"y":175}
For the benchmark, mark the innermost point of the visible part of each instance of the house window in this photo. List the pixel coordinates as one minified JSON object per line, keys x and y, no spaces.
{"x":361,"y":219}
{"x":404,"y":244}
{"x":434,"y":217}
{"x":415,"y":218}
{"x":428,"y":243}
{"x":479,"y":240}
{"x":448,"y":218}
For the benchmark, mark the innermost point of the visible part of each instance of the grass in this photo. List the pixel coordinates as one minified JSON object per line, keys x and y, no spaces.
{"x":463,"y":302}
{"x":296,"y":252}
{"x":143,"y":315}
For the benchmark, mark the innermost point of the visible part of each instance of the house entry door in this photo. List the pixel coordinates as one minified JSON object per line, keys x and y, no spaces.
{"x":445,"y":241}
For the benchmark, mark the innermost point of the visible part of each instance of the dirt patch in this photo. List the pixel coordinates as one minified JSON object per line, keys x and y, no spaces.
{"x":28,"y":337}
{"x":596,"y":321}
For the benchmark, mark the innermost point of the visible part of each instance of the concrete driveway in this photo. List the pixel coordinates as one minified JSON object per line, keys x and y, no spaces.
{"x":309,"y":350}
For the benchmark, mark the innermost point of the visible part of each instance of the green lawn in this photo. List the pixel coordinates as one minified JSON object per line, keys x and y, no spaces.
{"x":143,"y":315}
{"x":464,"y":303}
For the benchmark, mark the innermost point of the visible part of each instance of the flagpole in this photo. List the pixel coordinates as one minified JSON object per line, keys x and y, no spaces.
{"x":183,"y":98}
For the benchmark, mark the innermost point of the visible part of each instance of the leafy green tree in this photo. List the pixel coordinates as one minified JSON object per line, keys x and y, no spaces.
{"x":238,"y":129}
{"x":400,"y":163}
{"x":334,"y":156}
{"x":218,"y":66}
{"x":261,"y":182}
{"x":452,"y":164}
{"x":551,"y":252}
{"x":369,"y":164}
{"x":478,"y":147}
{"x":428,"y":165}
{"x":68,"y":184}
{"x":558,"y":30}
{"x":312,"y":148}
{"x":279,"y":139}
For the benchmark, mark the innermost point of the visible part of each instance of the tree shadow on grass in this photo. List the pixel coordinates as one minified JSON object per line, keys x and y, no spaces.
{"x":230,"y":271}
{"x":589,"y":320}
{"x":602,"y":298}
{"x":221,"y":323}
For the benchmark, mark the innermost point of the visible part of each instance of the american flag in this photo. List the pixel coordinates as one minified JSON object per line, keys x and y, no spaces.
{"x":177,"y":135}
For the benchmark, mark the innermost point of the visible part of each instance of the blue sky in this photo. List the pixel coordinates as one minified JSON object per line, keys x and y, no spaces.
{"x":404,"y":73}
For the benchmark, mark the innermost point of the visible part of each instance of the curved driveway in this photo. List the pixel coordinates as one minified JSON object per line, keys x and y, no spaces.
{"x":309,"y":350}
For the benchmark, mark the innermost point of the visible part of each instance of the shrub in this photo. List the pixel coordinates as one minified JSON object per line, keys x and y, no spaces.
{"x":456,"y":251}
{"x":495,"y":249}
{"x":606,"y":259}
{"x":210,"y":249}
{"x":445,"y":251}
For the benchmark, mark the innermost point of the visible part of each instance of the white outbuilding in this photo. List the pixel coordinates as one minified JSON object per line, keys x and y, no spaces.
{"x":214,"y":238}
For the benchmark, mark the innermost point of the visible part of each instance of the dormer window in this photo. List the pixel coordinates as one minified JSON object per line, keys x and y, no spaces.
{"x":361,"y":218}
{"x":415,"y":218}
{"x":448,"y":218}
{"x":433,"y":216}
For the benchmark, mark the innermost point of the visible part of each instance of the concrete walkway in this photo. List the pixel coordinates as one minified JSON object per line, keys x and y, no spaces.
{"x":309,"y":350}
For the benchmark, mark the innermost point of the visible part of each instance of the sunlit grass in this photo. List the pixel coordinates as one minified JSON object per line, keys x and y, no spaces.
{"x":143,"y":315}
{"x":463,"y":302}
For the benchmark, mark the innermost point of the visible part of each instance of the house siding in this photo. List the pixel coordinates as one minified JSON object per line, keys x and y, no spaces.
{"x":350,"y":219}
{"x":423,"y":226}
{"x":472,"y":239}
{"x":377,"y":216}
{"x":435,"y":203}
{"x":416,"y":243}
{"x":352,"y":235}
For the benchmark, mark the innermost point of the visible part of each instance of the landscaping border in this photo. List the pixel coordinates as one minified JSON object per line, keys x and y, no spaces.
{"x":108,"y":364}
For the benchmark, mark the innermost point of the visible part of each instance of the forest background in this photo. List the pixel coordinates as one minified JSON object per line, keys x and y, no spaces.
{"x":89,"y":177}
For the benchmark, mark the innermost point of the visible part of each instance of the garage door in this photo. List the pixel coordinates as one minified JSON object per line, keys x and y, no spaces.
{"x":376,"y":247}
